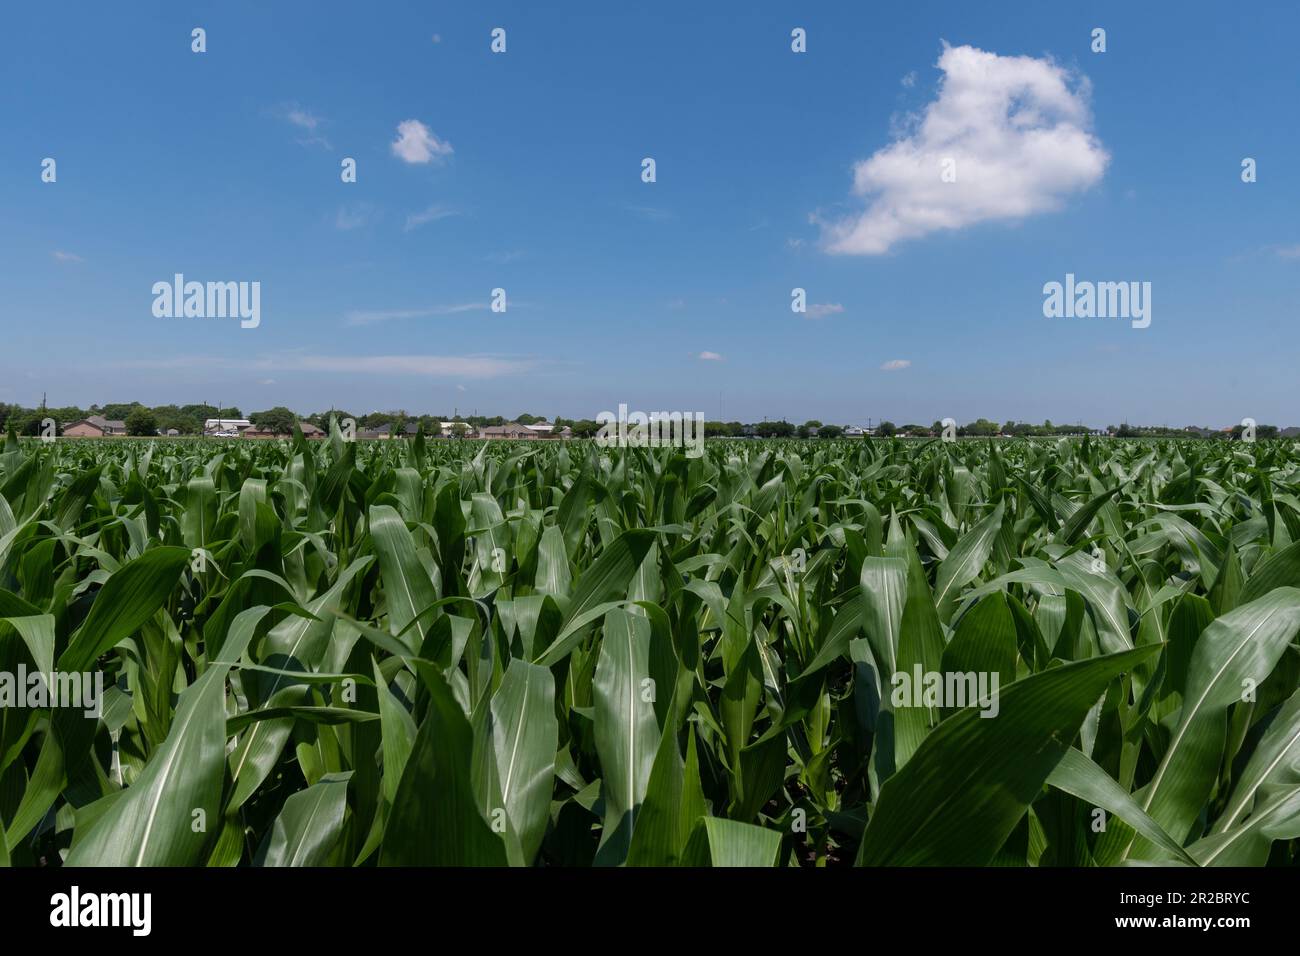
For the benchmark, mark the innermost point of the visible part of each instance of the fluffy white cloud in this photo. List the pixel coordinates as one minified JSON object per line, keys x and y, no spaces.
{"x":416,"y":143}
{"x":1018,"y":132}
{"x":893,"y":365}
{"x":710,"y":357}
{"x":62,"y":256}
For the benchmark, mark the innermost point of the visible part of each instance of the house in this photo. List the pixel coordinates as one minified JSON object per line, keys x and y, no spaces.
{"x":543,"y":428}
{"x":386,"y":431}
{"x":308,"y":431}
{"x":226,"y":427}
{"x":96,"y":426}
{"x":511,"y":430}
{"x":854,"y":431}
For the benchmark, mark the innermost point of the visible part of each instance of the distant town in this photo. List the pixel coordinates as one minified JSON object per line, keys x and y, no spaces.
{"x":201,"y":420}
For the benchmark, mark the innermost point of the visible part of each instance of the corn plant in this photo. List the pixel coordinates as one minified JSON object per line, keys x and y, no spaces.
{"x":551,"y":653}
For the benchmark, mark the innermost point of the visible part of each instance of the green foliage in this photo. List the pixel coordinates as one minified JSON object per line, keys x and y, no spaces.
{"x":551,"y":653}
{"x":141,"y":421}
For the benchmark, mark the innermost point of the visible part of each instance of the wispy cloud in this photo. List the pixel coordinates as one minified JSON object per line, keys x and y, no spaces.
{"x":710,"y":357}
{"x":436,"y":38}
{"x":355,"y":215}
{"x":416,"y":143}
{"x":894,"y":365}
{"x":1007,"y":137}
{"x":909,"y":79}
{"x":479,"y":366}
{"x":308,"y":122}
{"x":819,"y":310}
{"x":1288,"y":252}
{"x":61,"y":256}
{"x":435,"y":212}
{"x":370,"y":317}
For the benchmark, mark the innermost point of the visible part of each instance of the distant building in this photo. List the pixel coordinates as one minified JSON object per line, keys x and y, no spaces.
{"x":226,"y":427}
{"x":96,"y":426}
{"x":854,"y":431}
{"x":511,"y":430}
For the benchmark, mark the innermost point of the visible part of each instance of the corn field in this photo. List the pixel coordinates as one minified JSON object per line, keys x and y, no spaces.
{"x":555,"y":654}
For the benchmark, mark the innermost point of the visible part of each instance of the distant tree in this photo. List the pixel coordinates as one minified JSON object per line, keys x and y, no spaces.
{"x":981,"y":427}
{"x":1126,"y":431}
{"x":886,"y":429}
{"x":830,"y":431}
{"x":781,"y":429}
{"x":141,"y":421}
{"x":278,"y":420}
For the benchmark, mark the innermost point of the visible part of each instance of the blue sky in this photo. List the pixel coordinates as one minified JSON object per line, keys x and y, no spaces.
{"x":225,"y":166}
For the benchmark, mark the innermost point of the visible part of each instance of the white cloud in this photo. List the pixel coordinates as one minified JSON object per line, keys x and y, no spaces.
{"x":909,"y":79}
{"x":370,"y":317}
{"x":305,"y":120}
{"x":893,"y":365}
{"x":1284,"y":252}
{"x":299,"y":117}
{"x":437,"y":38}
{"x":819,"y":310}
{"x":710,"y":357}
{"x":435,"y":212}
{"x":1019,"y":132}
{"x":416,"y":143}
{"x":62,"y":256}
